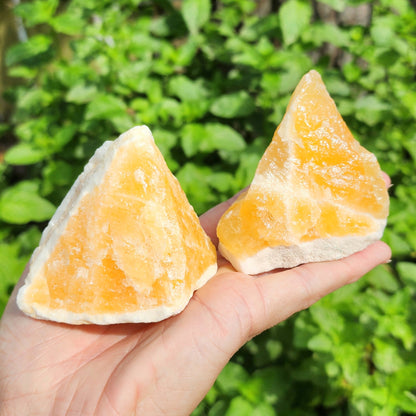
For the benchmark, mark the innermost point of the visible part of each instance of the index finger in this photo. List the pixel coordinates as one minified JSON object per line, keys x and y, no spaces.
{"x":285,"y":293}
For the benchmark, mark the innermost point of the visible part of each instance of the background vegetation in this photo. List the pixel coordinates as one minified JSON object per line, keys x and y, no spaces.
{"x":212,"y":80}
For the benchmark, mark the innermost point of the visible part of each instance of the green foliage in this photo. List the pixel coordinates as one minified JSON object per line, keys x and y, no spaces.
{"x":295,"y":16}
{"x":21,"y":204}
{"x":212,"y":81}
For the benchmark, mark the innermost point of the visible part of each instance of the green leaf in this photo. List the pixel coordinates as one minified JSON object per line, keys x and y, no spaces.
{"x":409,"y":100}
{"x":12,"y":266}
{"x":23,"y":72}
{"x":386,"y":356}
{"x":370,"y":109}
{"x":134,"y":74}
{"x":187,"y":51}
{"x":28,"y":240}
{"x":8,"y":260}
{"x":318,"y":34}
{"x":27,"y":51}
{"x":222,"y":181}
{"x":64,"y":135}
{"x":24,"y":154}
{"x":337,"y":86}
{"x":274,"y":383}
{"x":81,"y":93}
{"x":193,"y":179}
{"x":401,"y":330}
{"x":105,"y":106}
{"x":381,"y":277}
{"x":194,"y":110}
{"x":382,"y":31}
{"x":22,"y":203}
{"x":351,"y":71}
{"x":192,"y":137}
{"x":332,"y":369}
{"x":59,"y":173}
{"x":34,"y":100}
{"x":238,"y":104}
{"x":243,"y":53}
{"x":320,"y":342}
{"x":407,"y":272}
{"x":69,"y":23}
{"x":329,"y":319}
{"x":256,"y":28}
{"x":164,"y":139}
{"x":405,"y":377}
{"x":274,"y":348}
{"x":231,"y":377}
{"x":408,"y":402}
{"x":218,"y":409}
{"x":239,"y":407}
{"x":4,"y":127}
{"x":247,"y":166}
{"x":304,"y":330}
{"x":396,"y":304}
{"x":222,"y":137}
{"x":36,"y":12}
{"x":195,"y":14}
{"x":294,"y":16}
{"x":251,"y":390}
{"x":399,"y":246}
{"x":187,"y":89}
{"x":349,"y":358}
{"x":263,"y":409}
{"x":168,"y":109}
{"x":210,"y":137}
{"x":375,"y":396}
{"x":410,"y":145}
{"x":121,"y":122}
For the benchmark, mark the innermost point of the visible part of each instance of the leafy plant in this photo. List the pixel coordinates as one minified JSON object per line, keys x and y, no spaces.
{"x":212,"y":81}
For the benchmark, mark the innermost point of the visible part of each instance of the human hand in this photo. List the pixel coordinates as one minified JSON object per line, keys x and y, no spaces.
{"x":163,"y":368}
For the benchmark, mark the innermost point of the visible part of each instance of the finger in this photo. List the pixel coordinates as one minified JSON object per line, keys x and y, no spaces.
{"x":290,"y":291}
{"x":386,"y":179}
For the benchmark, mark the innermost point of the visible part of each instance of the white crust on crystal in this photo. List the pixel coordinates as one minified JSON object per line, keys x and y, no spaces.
{"x":283,"y":257}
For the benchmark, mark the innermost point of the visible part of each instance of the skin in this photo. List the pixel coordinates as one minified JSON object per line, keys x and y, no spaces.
{"x":165,"y":368}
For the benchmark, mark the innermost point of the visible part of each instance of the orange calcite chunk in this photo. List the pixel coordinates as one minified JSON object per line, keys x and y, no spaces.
{"x":317,"y":193}
{"x":124,"y":246}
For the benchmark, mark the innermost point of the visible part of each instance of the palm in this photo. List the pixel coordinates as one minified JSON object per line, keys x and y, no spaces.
{"x":160,"y":368}
{"x":92,"y":369}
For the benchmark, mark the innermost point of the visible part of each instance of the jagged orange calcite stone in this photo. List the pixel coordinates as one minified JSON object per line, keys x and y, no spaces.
{"x":317,"y":194}
{"x":124,"y":246}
